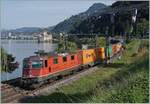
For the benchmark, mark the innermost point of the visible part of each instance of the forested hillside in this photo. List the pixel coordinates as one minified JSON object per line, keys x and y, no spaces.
{"x":123,"y":12}
{"x":68,"y":24}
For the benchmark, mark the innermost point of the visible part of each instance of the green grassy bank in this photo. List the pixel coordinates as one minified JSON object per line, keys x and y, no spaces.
{"x":125,"y":80}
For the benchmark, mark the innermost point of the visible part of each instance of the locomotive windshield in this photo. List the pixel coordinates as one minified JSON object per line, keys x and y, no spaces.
{"x":33,"y":64}
{"x":36,"y":64}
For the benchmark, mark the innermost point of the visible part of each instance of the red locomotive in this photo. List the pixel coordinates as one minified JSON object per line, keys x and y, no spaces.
{"x":40,"y":68}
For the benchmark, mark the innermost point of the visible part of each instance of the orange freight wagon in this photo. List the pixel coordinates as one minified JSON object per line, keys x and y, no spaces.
{"x":101,"y":53}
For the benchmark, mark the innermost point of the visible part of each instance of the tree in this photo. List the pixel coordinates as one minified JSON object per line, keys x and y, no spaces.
{"x":65,"y":45}
{"x":142,"y":26}
{"x":71,"y":46}
{"x":7,"y":62}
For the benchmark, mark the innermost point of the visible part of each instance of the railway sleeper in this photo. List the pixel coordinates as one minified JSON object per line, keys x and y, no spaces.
{"x":36,"y":85}
{"x":11,"y":98}
{"x":5,"y":91}
{"x":5,"y":86}
{"x":75,"y":71}
{"x":5,"y":95}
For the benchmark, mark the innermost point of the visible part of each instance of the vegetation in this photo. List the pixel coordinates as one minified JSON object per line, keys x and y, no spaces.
{"x":65,"y":45}
{"x":97,"y":17}
{"x":98,"y":22}
{"x":7,"y":62}
{"x":126,"y":3}
{"x":123,"y":81}
{"x":93,"y":42}
{"x":142,"y":27}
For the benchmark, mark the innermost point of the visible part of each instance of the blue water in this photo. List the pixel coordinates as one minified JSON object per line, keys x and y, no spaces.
{"x":21,"y":49}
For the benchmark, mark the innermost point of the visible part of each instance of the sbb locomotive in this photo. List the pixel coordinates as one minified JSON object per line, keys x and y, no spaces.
{"x":41,"y":68}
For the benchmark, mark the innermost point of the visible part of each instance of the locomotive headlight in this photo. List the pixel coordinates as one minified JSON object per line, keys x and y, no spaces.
{"x":30,"y":74}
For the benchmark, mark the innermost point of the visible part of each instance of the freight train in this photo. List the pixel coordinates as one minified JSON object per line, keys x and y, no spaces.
{"x":40,"y":68}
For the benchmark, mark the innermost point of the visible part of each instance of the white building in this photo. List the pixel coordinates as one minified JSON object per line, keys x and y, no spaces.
{"x":45,"y":37}
{"x":9,"y":35}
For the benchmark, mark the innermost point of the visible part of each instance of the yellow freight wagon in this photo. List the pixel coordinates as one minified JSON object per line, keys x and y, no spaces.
{"x":89,"y":56}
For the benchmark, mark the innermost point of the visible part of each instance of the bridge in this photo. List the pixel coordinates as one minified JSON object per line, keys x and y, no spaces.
{"x":84,"y":35}
{"x":80,"y":35}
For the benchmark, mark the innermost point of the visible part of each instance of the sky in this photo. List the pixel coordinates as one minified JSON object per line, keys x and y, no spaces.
{"x":41,"y":13}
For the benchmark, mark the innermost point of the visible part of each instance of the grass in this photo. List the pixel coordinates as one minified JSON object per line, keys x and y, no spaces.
{"x":128,"y":85}
{"x":126,"y":80}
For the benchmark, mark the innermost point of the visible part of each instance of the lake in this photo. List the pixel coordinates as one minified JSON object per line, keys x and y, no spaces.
{"x":21,"y":49}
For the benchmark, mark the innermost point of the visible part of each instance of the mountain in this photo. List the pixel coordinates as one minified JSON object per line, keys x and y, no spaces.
{"x":96,"y":7}
{"x":127,"y":3}
{"x":123,"y":11}
{"x":50,"y":28}
{"x":68,"y":24}
{"x":97,"y":18}
{"x":27,"y":29}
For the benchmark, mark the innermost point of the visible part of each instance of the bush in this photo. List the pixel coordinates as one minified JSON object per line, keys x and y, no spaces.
{"x":7,"y":62}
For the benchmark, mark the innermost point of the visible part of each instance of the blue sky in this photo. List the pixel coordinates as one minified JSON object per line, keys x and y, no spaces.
{"x":41,"y":13}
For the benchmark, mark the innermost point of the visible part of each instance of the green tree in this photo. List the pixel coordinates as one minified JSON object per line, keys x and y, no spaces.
{"x":7,"y":62}
{"x":142,"y":26}
{"x":65,"y":45}
{"x":100,"y":41}
{"x":127,"y":27}
{"x":71,"y":46}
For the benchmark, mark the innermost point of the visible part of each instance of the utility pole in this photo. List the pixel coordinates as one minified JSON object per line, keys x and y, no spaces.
{"x":107,"y":44}
{"x":96,"y":40}
{"x":107,"y":37}
{"x":66,"y":38}
{"x":112,"y":23}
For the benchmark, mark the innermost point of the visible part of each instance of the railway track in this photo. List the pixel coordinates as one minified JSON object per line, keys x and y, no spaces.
{"x":11,"y":92}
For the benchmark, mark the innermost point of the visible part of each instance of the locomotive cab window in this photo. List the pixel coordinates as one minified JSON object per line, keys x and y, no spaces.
{"x":55,"y":61}
{"x":64,"y":59}
{"x":45,"y":63}
{"x":72,"y":57}
{"x":36,"y":64}
{"x":25,"y":64}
